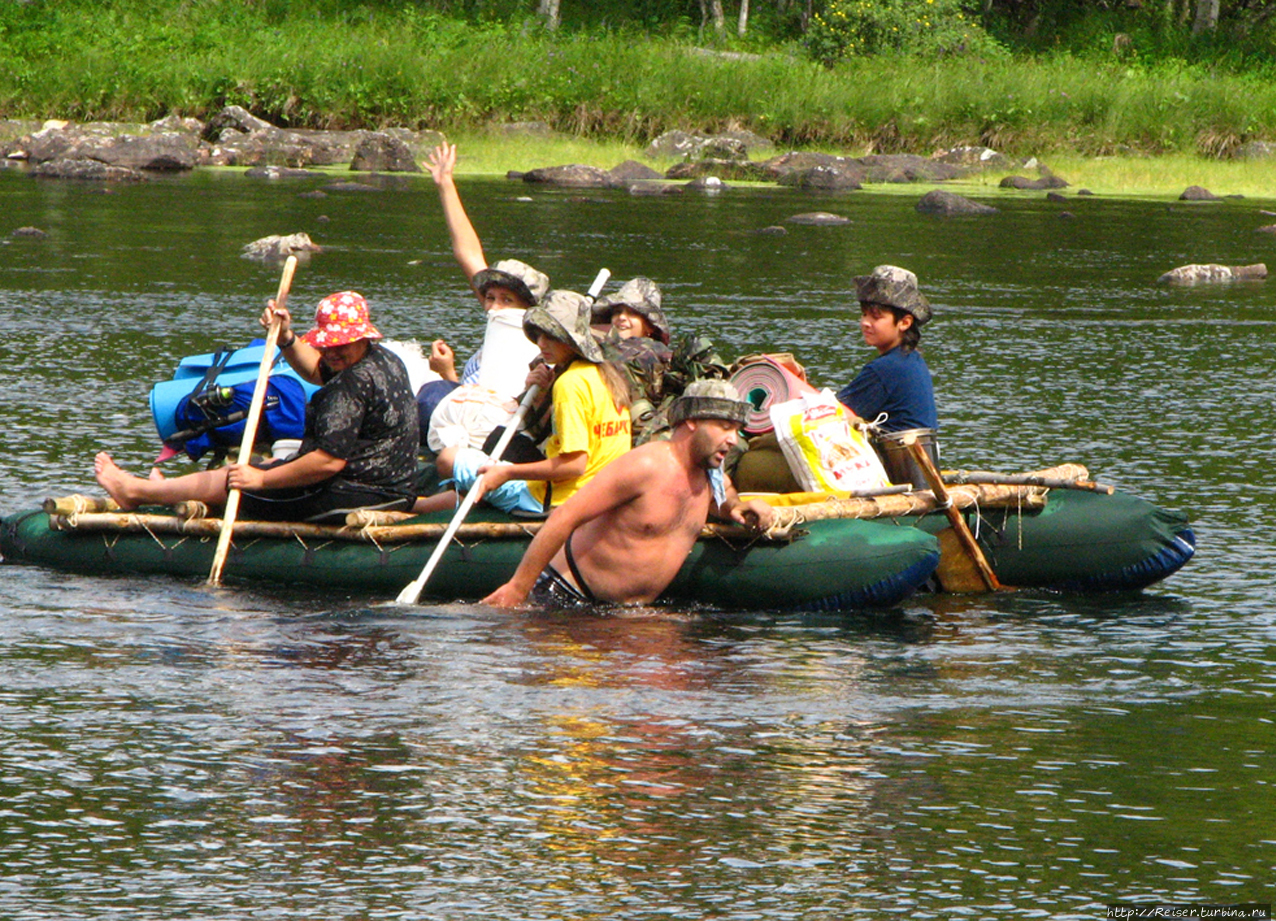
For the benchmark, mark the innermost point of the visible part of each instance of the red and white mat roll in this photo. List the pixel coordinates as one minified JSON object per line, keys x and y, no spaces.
{"x":764,"y":383}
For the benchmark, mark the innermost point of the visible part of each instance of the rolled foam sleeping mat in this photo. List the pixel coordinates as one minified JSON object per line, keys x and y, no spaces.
{"x":763,"y":384}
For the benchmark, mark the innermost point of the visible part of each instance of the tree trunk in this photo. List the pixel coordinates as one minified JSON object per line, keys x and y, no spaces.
{"x":743,"y":26}
{"x":1206,"y":16}
{"x":548,"y":12}
{"x":719,"y":18}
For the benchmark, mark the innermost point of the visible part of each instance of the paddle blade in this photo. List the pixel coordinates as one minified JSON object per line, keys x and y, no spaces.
{"x":958,"y":572}
{"x":411,"y":592}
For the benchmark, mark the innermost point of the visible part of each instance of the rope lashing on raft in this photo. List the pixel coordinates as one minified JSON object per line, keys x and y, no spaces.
{"x":381,"y":528}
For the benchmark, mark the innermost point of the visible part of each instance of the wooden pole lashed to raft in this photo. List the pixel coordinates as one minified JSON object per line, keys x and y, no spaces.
{"x":76,"y":513}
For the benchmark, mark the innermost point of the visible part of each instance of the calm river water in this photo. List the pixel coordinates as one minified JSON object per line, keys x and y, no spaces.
{"x":167,"y":751}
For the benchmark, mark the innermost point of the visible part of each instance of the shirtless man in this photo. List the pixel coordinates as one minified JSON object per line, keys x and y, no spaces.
{"x":624,"y":535}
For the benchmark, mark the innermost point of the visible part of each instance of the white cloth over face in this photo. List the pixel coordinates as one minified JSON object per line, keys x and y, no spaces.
{"x":466,"y":416}
{"x":506,"y":354}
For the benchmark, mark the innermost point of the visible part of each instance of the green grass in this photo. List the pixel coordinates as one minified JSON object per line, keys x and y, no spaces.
{"x":320,"y":64}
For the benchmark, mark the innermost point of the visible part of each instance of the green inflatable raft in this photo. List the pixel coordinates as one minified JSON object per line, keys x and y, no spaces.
{"x":833,"y":565}
{"x":1080,"y":541}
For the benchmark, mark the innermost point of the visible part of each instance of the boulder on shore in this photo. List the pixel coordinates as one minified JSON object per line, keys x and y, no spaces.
{"x":729,"y":145}
{"x":1198,"y":193}
{"x":974,"y":158}
{"x":825,"y":178}
{"x":909,"y":168}
{"x":1023,"y":182}
{"x":622,"y":174}
{"x":380,"y":152}
{"x":84,"y":169}
{"x":571,"y":176}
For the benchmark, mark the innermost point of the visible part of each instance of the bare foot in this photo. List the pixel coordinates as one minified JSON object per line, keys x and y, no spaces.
{"x":114,"y":480}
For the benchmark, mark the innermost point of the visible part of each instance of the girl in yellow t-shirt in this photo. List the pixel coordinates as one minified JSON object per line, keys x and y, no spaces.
{"x":590,"y":405}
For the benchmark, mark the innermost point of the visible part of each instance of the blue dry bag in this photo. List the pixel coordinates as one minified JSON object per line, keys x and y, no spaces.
{"x":206,"y":403}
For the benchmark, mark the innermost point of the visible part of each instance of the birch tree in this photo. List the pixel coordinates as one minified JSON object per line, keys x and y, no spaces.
{"x":1206,"y":16}
{"x":548,"y":12}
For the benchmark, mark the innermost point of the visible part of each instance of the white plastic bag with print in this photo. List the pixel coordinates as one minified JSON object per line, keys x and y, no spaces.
{"x":825,"y":452}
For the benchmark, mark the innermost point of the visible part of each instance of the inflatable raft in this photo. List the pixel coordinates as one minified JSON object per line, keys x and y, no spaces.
{"x":1078,"y":541}
{"x":832,"y":565}
{"x":833,"y":555}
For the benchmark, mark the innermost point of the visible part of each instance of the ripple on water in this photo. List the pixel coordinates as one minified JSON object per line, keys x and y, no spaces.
{"x":167,"y":751}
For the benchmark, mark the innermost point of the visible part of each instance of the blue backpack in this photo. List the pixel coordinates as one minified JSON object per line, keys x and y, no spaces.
{"x":205,"y":405}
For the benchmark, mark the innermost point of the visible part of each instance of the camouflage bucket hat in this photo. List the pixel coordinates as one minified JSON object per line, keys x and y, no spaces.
{"x":527,"y":283}
{"x":709,"y":399}
{"x":564,"y":315}
{"x":642,"y":296}
{"x":891,"y":286}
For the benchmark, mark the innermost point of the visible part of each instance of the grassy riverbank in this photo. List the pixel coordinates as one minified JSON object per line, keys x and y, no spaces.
{"x":494,"y":153}
{"x":317,"y":64}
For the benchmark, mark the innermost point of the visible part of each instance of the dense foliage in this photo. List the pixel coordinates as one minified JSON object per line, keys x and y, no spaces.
{"x":884,"y":75}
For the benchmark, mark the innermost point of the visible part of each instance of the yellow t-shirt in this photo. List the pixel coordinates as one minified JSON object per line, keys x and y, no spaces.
{"x":585,"y":419}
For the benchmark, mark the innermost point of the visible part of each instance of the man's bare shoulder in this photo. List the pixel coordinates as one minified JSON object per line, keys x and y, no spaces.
{"x":655,"y":458}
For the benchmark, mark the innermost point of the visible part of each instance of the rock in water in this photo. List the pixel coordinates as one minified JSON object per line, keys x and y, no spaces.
{"x":1212,"y":272}
{"x":277,"y":248}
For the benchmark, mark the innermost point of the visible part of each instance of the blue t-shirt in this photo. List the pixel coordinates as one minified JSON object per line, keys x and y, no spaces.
{"x":898,"y":384}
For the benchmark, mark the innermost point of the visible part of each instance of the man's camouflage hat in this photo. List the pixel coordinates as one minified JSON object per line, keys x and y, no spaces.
{"x":564,"y":315}
{"x":642,"y":297}
{"x":527,"y":284}
{"x":891,"y":286}
{"x":709,"y":399}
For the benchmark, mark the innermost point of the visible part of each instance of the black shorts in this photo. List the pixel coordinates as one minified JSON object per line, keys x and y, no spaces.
{"x":552,"y":590}
{"x":316,"y":504}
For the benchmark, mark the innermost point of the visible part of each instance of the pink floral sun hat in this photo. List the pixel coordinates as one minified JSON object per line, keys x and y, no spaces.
{"x":340,"y":319}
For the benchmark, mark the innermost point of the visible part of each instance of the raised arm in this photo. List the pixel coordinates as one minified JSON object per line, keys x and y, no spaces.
{"x":466,"y":246}
{"x":303,"y":357}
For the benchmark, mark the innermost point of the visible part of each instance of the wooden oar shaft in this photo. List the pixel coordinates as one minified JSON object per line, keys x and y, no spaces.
{"x":250,"y":425}
{"x":955,"y":517}
{"x":411,"y":592}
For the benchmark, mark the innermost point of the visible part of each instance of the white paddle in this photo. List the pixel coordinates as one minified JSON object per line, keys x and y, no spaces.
{"x":412,"y":591}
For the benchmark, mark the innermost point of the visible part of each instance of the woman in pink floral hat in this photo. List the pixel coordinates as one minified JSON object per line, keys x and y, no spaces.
{"x":360,"y":444}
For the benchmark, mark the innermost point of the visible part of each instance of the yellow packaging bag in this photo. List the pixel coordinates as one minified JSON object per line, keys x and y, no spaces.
{"x":824,"y":451}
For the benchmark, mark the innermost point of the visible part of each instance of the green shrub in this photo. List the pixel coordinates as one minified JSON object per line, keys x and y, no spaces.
{"x":847,"y":28}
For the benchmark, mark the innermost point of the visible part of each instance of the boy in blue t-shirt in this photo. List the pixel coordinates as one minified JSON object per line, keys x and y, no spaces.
{"x":898,"y":382}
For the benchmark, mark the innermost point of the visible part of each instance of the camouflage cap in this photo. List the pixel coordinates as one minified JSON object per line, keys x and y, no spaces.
{"x":891,"y":286}
{"x":564,"y":315}
{"x":527,"y":283}
{"x":709,"y":399}
{"x":642,"y":296}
